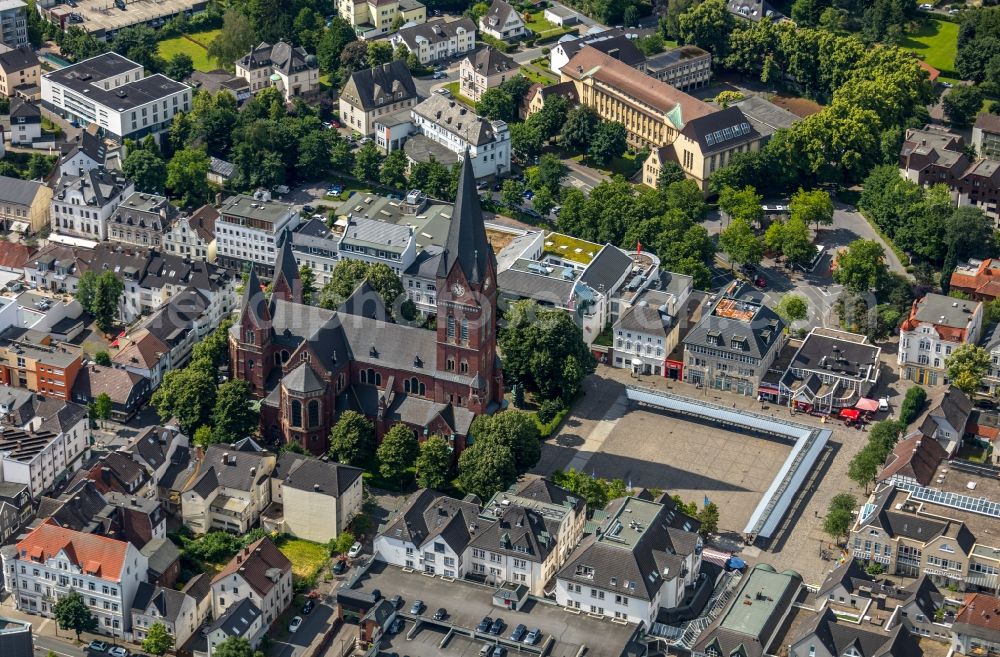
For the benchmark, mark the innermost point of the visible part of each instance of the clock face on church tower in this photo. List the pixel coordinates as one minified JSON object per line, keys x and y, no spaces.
{"x":457,"y":289}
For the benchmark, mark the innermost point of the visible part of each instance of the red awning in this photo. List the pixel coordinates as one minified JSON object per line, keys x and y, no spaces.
{"x":849,"y":413}
{"x":866,"y":404}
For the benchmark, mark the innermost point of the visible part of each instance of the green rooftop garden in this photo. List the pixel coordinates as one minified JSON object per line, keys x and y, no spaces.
{"x":570,"y":248}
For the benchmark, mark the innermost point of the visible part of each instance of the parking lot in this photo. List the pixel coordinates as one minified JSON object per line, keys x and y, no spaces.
{"x":468,"y":603}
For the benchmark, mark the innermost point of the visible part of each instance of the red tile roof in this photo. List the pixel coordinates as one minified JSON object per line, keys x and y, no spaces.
{"x":979,"y":610}
{"x":985,"y":283}
{"x":14,"y":255}
{"x":95,"y":554}
{"x":254,"y":563}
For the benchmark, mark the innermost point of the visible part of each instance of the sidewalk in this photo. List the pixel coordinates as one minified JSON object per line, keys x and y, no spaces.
{"x":47,"y":627}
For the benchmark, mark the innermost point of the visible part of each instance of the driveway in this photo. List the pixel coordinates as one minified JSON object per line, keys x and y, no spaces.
{"x":583,"y":177}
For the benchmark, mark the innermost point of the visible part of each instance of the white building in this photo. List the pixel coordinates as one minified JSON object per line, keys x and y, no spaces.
{"x":502,"y":21}
{"x":242,"y":620}
{"x":175,"y":610}
{"x":312,"y":499}
{"x":83,"y":203}
{"x":194,"y":236}
{"x":935,"y":327}
{"x":47,"y":449}
{"x":449,"y":128}
{"x":647,"y":330}
{"x":292,"y":71}
{"x":247,"y":231}
{"x":378,"y":242}
{"x":231,"y":492}
{"x":115,"y":94}
{"x":437,"y":40}
{"x":51,"y":561}
{"x":259,"y":573}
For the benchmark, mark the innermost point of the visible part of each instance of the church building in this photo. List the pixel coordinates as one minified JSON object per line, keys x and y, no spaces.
{"x":308,"y":364}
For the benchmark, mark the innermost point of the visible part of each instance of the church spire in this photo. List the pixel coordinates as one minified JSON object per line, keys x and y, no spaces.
{"x":286,"y":284}
{"x":254,"y":305}
{"x":467,"y":244}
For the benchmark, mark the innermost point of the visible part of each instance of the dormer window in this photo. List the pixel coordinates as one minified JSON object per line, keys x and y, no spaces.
{"x":585,"y":571}
{"x":714,"y":338}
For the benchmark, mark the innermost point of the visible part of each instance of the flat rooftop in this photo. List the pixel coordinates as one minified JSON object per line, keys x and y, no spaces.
{"x":838,"y":351}
{"x":104,"y":16}
{"x":85,"y":77}
{"x":430,"y":223}
{"x":570,"y":248}
{"x":736,"y":309}
{"x":638,"y":515}
{"x":759,"y":599}
{"x":248,"y":207}
{"x":11,"y":625}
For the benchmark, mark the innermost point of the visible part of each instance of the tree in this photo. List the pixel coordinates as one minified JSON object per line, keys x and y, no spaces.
{"x":398,"y":450}
{"x":815,"y":207}
{"x":791,"y":239}
{"x":179,"y":67}
{"x":670,"y":173}
{"x":234,"y":416}
{"x":434,"y":463}
{"x":235,"y":646}
{"x":102,"y":406}
{"x":511,"y":194}
{"x":840,"y":515}
{"x":669,"y":23}
{"x":597,"y":492}
{"x":102,"y":358}
{"x":577,"y":132}
{"x":961,"y":104}
{"x":72,"y":613}
{"x":486,"y":468}
{"x":792,"y":308}
{"x":214,"y":349}
{"x":158,"y":641}
{"x":709,"y":519}
{"x":348,"y":275}
{"x":548,"y":174}
{"x":865,"y":465}
{"x":913,"y":405}
{"x":39,"y":166}
{"x":187,"y":176}
{"x":707,"y":25}
{"x":393,"y":171}
{"x":379,"y":52}
{"x":608,"y":142}
{"x":354,"y":56}
{"x":497,"y":105}
{"x":861,"y":267}
{"x":188,"y":395}
{"x":367,"y":161}
{"x":107,"y":293}
{"x":352,"y":440}
{"x":516,"y":430}
{"x":966,"y":367}
{"x":308,"y":279}
{"x":740,"y":243}
{"x":543,"y":201}
{"x":526,"y":139}
{"x":743,"y":203}
{"x":543,"y":349}
{"x":234,"y":41}
{"x":332,"y":42}
{"x":146,"y":169}
{"x":205,"y":436}
{"x":138,"y":43}
{"x":650,"y":45}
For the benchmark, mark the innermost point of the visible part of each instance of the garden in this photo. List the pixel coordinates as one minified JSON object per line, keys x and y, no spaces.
{"x":936,"y":43}
{"x":195,"y":45}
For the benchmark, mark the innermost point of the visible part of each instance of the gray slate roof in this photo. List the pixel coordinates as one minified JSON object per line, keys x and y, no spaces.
{"x":306,"y":473}
{"x":456,"y":118}
{"x":434,"y":32}
{"x":168,"y":603}
{"x":18,"y":192}
{"x":606,"y":269}
{"x":427,"y":515}
{"x":237,"y":620}
{"x":376,"y":87}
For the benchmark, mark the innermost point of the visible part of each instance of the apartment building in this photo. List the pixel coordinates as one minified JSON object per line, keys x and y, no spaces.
{"x":935,"y":326}
{"x":194,"y":236}
{"x":515,"y":544}
{"x":242,"y":620}
{"x":438,"y":39}
{"x":374,"y":92}
{"x":39,"y":458}
{"x":372,"y":18}
{"x":448,"y":129}
{"x":113,"y":93}
{"x":24,"y":205}
{"x":485,"y":69}
{"x":311,"y":498}
{"x":16,"y":508}
{"x":25,"y":122}
{"x":13,"y":23}
{"x":88,"y":152}
{"x":259,"y":573}
{"x":128,"y":390}
{"x":502,"y":21}
{"x":19,"y":73}
{"x":976,"y":630}
{"x":32,"y":360}
{"x":291,"y":70}
{"x":83,"y":204}
{"x":830,"y":370}
{"x":608,"y":574}
{"x":51,"y":561}
{"x":247,"y":232}
{"x":985,"y":135}
{"x":230,"y":489}
{"x":615,"y":42}
{"x":683,"y":67}
{"x":143,"y":220}
{"x":648,"y":328}
{"x":187,"y":319}
{"x":175,"y":610}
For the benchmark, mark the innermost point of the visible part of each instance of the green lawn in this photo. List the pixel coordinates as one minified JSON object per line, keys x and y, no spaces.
{"x":465,"y":100}
{"x":194,"y":44}
{"x":536,"y":74}
{"x":307,"y":558}
{"x":936,"y":42}
{"x":543,"y":28}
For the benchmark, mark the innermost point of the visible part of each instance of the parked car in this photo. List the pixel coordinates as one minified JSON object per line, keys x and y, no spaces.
{"x":533,"y":637}
{"x":97,"y":646}
{"x":308,"y":209}
{"x":497,"y":186}
{"x":335,"y":123}
{"x":518,"y":632}
{"x":926,"y":7}
{"x":355,"y":550}
{"x":499,"y":651}
{"x":281,"y":189}
{"x":295,"y":624}
{"x":528,"y":194}
{"x":760,"y":282}
{"x":484,"y":625}
{"x":397,"y":626}
{"x":883,"y":404}
{"x":396,"y":601}
{"x":119,"y":651}
{"x":308,"y":606}
{"x":486,"y":650}
{"x":497,"y":627}
{"x":417,"y":607}
{"x":340,"y":567}
{"x":440,"y":614}
{"x":439,"y":75}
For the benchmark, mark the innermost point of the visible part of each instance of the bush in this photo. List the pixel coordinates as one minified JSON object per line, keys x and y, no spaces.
{"x":549,"y":410}
{"x":913,"y":405}
{"x":545,"y":52}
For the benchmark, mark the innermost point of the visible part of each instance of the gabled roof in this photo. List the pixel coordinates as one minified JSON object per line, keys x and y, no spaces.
{"x":374,"y":87}
{"x":979,"y":616}
{"x":145,"y":351}
{"x":489,"y":61}
{"x":15,"y":255}
{"x":117,"y":383}
{"x":915,"y":456}
{"x":498,"y":14}
{"x":518,"y":531}
{"x":18,"y":59}
{"x":23,"y":109}
{"x":166,"y":603}
{"x":427,"y":515}
{"x":237,"y":619}
{"x":721,"y":130}
{"x":254,"y":303}
{"x":840,"y":637}
{"x":97,"y":555}
{"x":261,"y":564}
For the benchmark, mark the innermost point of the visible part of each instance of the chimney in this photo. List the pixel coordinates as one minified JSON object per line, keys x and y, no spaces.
{"x":225,"y":458}
{"x":316,"y":487}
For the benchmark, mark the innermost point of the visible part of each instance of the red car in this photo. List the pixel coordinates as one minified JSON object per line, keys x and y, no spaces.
{"x":760,"y":282}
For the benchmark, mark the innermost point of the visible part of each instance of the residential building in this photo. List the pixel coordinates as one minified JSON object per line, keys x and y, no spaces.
{"x":24,"y":205}
{"x":311,"y":498}
{"x":515,"y":544}
{"x":448,"y":129}
{"x":221,"y":81}
{"x":83,"y":204}
{"x":985,"y":133}
{"x":733,"y":345}
{"x":128,"y":391}
{"x":242,"y":620}
{"x":19,"y":73}
{"x":259,"y":573}
{"x":51,"y":561}
{"x":143,"y":220}
{"x":229,"y":490}
{"x":976,"y":630}
{"x":438,"y":39}
{"x":16,"y":638}
{"x":370,"y":93}
{"x":642,"y":559}
{"x":648,"y":330}
{"x":430,"y":534}
{"x":652,"y":111}
{"x":164,"y":564}
{"x":116,"y":472}
{"x":305,"y":361}
{"x":315,"y":246}
{"x":378,"y":242}
{"x":753,"y":10}
{"x":683,"y":67}
{"x":935,"y":326}
{"x":913,"y":461}
{"x":32,"y":360}
{"x":946,"y":418}
{"x":14,"y":23}
{"x":755,"y":617}
{"x":485,"y":69}
{"x":143,"y":354}
{"x":163,"y":451}
{"x":620,"y":47}
{"x":16,"y":509}
{"x":502,"y":21}
{"x":372,"y":18}
{"x":25,"y":122}
{"x":187,"y":319}
{"x":194,"y":236}
{"x":87,"y":153}
{"x":247,"y":231}
{"x":980,"y":279}
{"x":705,"y":144}
{"x":292,"y":71}
{"x":115,"y":94}
{"x":534,"y":99}
{"x":991,"y":343}
{"x":50,"y":447}
{"x":175,"y":610}
{"x":829,"y":636}
{"x":830,"y":370}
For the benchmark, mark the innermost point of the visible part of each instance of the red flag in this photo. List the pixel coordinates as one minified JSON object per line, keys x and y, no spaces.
{"x":638,"y":246}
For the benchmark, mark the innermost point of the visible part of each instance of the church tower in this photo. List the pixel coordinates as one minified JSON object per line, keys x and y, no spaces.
{"x":250,"y":348}
{"x":286,"y":284}
{"x":467,"y":305}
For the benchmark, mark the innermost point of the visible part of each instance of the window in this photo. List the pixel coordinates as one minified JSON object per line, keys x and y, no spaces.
{"x":296,"y":413}
{"x":451,"y":327}
{"x":313,"y":413}
{"x":465,"y":330}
